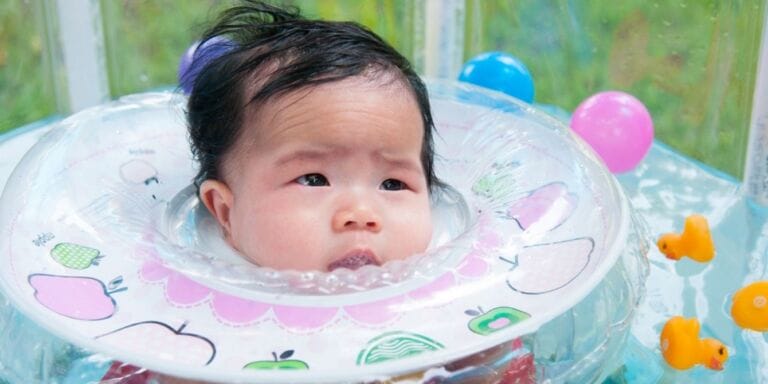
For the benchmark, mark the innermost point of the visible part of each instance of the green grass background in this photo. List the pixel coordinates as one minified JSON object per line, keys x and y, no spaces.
{"x":691,"y":62}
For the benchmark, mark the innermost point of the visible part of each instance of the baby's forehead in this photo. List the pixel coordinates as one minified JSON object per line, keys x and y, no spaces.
{"x":312,"y":113}
{"x":257,"y":109}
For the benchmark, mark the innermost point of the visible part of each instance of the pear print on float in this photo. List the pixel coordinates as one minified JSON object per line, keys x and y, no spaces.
{"x":75,"y":256}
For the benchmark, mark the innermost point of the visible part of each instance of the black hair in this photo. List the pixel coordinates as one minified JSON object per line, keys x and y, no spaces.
{"x":271,"y":51}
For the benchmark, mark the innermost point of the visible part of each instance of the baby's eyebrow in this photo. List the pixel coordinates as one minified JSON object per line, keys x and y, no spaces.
{"x":400,"y":163}
{"x":321,"y":154}
{"x":302,"y":155}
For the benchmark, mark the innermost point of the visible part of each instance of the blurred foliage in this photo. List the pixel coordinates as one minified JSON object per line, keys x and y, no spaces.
{"x":144,"y":39}
{"x":691,"y":62}
{"x":138,"y":60}
{"x":26,"y":81}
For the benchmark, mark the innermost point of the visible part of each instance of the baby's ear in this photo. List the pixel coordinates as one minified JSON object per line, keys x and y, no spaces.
{"x":217,"y":197}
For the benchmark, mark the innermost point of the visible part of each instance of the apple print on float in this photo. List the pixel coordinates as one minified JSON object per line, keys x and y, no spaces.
{"x":161,"y":340}
{"x":278,"y":363}
{"x":141,"y":172}
{"x":485,"y":323}
{"x":545,"y":268}
{"x":138,"y":171}
{"x":76,"y":297}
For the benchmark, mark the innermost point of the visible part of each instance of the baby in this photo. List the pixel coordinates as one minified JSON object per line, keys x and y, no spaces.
{"x":315,"y":146}
{"x":314,"y":140}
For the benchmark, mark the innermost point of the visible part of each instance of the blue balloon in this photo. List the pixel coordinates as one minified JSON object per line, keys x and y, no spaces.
{"x":501,"y":72}
{"x":196,"y":57}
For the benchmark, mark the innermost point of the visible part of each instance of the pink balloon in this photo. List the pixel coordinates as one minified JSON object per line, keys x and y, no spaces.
{"x":617,"y":126}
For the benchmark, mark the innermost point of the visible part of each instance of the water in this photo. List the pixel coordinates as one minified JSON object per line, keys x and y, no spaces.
{"x":664,"y":189}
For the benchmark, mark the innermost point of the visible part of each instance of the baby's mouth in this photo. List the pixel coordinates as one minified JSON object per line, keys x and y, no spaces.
{"x":354,"y":260}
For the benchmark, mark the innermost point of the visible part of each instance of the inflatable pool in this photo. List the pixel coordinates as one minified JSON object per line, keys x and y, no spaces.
{"x":536,"y":253}
{"x":664,"y":189}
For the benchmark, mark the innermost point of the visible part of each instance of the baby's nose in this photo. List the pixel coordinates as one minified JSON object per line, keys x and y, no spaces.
{"x":356,"y":218}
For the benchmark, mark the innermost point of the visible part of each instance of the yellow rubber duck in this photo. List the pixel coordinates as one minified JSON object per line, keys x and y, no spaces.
{"x":695,"y":241}
{"x":750,"y":306}
{"x":682,"y":348}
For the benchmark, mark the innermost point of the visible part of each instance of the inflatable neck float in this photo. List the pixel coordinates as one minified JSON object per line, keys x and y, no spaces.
{"x":105,"y":245}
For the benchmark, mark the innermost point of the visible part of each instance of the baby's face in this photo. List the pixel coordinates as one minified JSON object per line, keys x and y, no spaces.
{"x":326,"y":178}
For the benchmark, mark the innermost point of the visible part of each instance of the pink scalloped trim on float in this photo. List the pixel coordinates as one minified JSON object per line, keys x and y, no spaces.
{"x":237,"y":311}
{"x":474,"y":264}
{"x":303,"y":318}
{"x":179,"y":290}
{"x":183,"y":292}
{"x":377,"y":312}
{"x":433,"y":291}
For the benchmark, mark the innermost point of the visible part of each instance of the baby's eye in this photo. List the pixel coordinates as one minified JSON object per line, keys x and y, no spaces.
{"x":313,"y":180}
{"x":393,"y":185}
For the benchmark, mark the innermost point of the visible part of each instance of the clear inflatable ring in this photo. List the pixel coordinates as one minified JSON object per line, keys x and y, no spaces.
{"x":105,"y":245}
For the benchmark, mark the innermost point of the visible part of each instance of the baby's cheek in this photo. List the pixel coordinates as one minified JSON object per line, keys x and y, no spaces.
{"x":285,"y":235}
{"x":424,"y":232}
{"x":414,"y":228}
